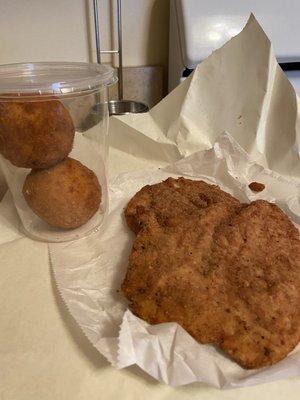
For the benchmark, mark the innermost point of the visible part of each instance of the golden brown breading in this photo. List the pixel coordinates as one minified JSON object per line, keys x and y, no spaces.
{"x":65,"y":196}
{"x":260,"y":253}
{"x":172,"y":197}
{"x":35,"y":134}
{"x":228,"y":273}
{"x":170,"y":277}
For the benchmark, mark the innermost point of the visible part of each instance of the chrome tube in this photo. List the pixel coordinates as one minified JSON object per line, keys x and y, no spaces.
{"x":97,"y":31}
{"x":120,"y":82}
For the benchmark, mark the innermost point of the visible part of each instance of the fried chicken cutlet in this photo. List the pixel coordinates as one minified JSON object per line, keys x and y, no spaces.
{"x":172,"y":197}
{"x":228,"y":273}
{"x":259,"y":251}
{"x":170,"y":277}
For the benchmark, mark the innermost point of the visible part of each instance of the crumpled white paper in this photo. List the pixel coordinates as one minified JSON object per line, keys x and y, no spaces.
{"x":89,"y":273}
{"x":239,"y":89}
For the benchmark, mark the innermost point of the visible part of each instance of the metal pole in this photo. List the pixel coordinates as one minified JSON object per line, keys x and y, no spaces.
{"x":109,"y":51}
{"x":120,"y":82}
{"x":97,"y":32}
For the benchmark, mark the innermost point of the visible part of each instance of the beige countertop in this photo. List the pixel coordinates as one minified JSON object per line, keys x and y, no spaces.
{"x":44,"y":354}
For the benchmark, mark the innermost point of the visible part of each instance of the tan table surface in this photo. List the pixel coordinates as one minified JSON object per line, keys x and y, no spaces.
{"x":44,"y":355}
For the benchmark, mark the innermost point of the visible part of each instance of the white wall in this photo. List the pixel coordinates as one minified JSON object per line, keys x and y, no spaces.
{"x":43,"y":30}
{"x":63,"y":30}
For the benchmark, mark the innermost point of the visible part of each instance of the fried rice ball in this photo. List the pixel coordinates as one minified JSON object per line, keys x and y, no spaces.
{"x":35,"y":134}
{"x":65,"y":196}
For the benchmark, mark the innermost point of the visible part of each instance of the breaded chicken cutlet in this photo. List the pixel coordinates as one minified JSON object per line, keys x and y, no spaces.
{"x":228,"y":273}
{"x":172,"y":198}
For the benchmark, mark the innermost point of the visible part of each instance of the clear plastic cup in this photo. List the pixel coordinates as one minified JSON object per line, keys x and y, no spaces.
{"x":50,"y":115}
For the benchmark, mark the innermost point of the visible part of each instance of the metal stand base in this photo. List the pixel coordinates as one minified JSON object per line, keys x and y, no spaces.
{"x":117,"y":107}
{"x":121,"y":107}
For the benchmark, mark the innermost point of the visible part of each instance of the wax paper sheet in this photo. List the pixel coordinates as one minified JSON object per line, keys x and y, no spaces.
{"x":89,"y":273}
{"x":239,"y":89}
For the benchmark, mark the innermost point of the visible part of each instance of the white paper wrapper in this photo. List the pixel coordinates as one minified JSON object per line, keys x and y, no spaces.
{"x":89,"y":273}
{"x":240,"y":89}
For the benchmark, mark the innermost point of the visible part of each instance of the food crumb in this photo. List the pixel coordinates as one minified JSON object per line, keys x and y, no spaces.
{"x":256,"y":186}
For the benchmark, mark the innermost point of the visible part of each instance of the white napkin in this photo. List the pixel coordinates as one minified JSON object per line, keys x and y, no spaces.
{"x":89,"y":273}
{"x":240,"y":88}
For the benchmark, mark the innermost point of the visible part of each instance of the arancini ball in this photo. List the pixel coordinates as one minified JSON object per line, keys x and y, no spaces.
{"x":35,"y":134}
{"x":65,"y":196}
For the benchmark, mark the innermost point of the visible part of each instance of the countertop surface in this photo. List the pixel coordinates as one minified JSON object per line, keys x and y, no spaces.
{"x":44,"y":354}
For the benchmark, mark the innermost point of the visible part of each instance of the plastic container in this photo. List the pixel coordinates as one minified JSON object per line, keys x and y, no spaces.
{"x":50,"y":112}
